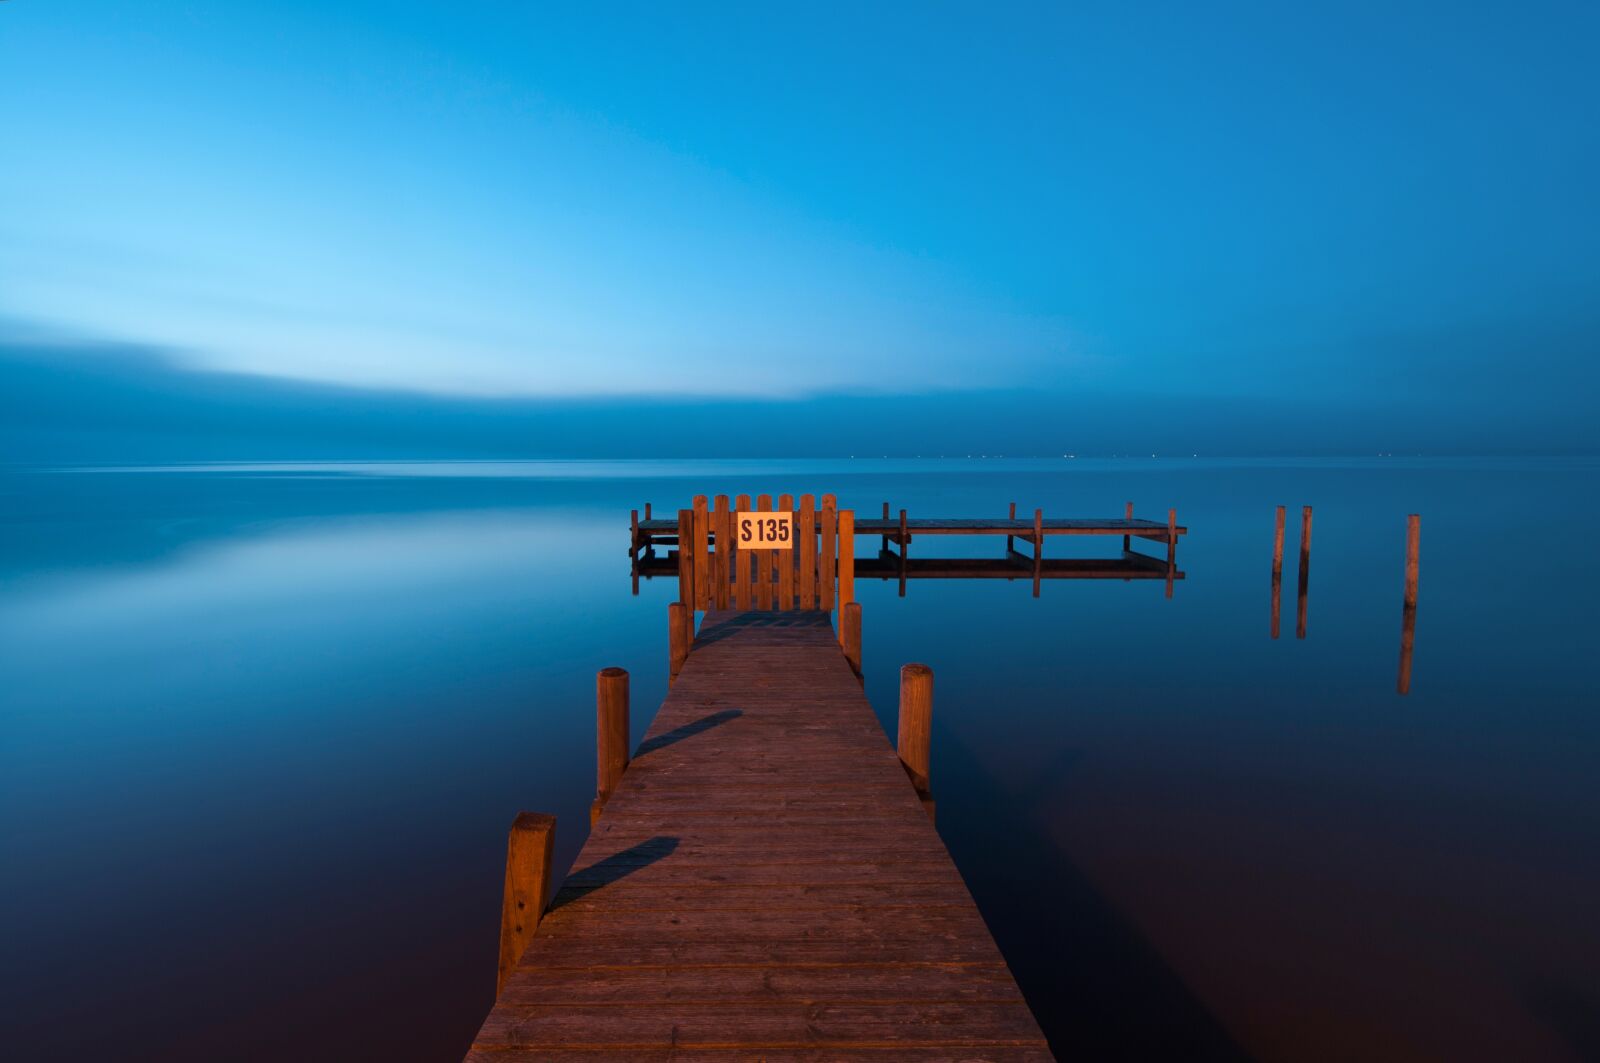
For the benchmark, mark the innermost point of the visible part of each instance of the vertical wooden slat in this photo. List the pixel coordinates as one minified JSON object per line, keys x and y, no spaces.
{"x":686,"y":558}
{"x":847,"y":556}
{"x":702,"y":554}
{"x":784,"y":559}
{"x":722,"y":566}
{"x":825,"y":558}
{"x":741,"y":563}
{"x":764,"y":562}
{"x":807,"y":533}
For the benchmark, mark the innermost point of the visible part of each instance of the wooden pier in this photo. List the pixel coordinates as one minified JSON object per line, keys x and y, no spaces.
{"x":707,"y":526}
{"x":764,"y":882}
{"x":762,"y":879}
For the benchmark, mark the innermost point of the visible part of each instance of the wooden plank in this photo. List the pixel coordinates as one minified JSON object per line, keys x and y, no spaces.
{"x":784,"y":560}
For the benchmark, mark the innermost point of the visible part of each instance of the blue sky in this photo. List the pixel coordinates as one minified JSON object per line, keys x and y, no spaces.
{"x":1232,"y":202}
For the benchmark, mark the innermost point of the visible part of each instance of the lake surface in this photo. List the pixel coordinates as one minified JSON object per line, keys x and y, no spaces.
{"x":263,"y":729}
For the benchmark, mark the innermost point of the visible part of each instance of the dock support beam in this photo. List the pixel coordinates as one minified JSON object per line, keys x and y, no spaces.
{"x":850,"y":634}
{"x":1408,"y":618}
{"x":611,"y":736}
{"x":528,"y":859}
{"x":916,"y":727}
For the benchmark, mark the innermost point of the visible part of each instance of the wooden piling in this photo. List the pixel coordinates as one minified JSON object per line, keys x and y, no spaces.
{"x":1038,"y":549}
{"x":1127,"y":540}
{"x":702,"y":553}
{"x":847,"y":556}
{"x":784,"y":559}
{"x":1172,"y":548}
{"x":850,"y":634}
{"x":1408,"y":618}
{"x":1011,"y":514}
{"x":883,"y":547}
{"x":916,"y":723}
{"x":527,"y":891}
{"x":1302,"y":598}
{"x":680,"y":636}
{"x":905,"y":548}
{"x":1277,"y":543}
{"x":647,"y":511}
{"x":611,"y":735}
{"x":633,"y":549}
{"x":806,"y":532}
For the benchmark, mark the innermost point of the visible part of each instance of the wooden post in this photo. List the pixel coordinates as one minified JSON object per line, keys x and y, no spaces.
{"x":611,"y":735}
{"x":680,"y":636}
{"x":905,"y":546}
{"x":916,"y":726}
{"x":741,"y":562}
{"x":827,"y":555}
{"x":686,"y":557}
{"x":883,"y":547}
{"x":850,"y":634}
{"x":633,"y":550}
{"x":1172,"y":548}
{"x":807,"y":534}
{"x":784,"y":559}
{"x":1277,"y":543}
{"x":528,"y":857}
{"x":1038,"y":549}
{"x":847,"y":556}
{"x":1305,"y":573}
{"x":1011,"y":514}
{"x":1408,"y":617}
{"x":722,"y":567}
{"x":647,"y":511}
{"x":1127,"y":540}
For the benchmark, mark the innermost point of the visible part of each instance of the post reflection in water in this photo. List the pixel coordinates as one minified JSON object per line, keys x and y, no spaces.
{"x":1408,"y":615}
{"x":1305,"y":572}
{"x":1277,"y":569}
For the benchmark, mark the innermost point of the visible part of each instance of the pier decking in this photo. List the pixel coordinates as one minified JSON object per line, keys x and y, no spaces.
{"x":763,"y":883}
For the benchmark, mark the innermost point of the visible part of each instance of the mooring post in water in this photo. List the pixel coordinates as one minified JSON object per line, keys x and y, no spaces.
{"x":850,"y":635}
{"x":633,"y":549}
{"x":1127,"y":540}
{"x":1305,"y":573}
{"x":883,"y":547}
{"x":1011,"y":514}
{"x":1408,"y":621}
{"x":1277,"y":569}
{"x":905,"y":548}
{"x":680,"y":636}
{"x":1172,"y":548}
{"x":528,"y":854}
{"x":916,"y":727}
{"x":1038,"y":549}
{"x":611,"y":735}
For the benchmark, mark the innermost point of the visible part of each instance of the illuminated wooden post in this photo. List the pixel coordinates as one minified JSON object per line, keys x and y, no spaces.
{"x":1408,"y":622}
{"x":686,"y":558}
{"x":847,"y":555}
{"x":784,"y":559}
{"x":527,"y":893}
{"x":916,"y":728}
{"x":702,"y":554}
{"x":850,"y":635}
{"x":611,"y":735}
{"x":680,"y":637}
{"x":827,"y":553}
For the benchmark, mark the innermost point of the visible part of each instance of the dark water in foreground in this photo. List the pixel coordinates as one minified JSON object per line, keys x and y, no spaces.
{"x":262,"y":731}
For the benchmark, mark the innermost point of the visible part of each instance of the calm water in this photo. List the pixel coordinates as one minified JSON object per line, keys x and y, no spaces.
{"x":264,"y":728}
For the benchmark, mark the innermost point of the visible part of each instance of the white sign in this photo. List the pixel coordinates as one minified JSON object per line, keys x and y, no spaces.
{"x":764,"y":531}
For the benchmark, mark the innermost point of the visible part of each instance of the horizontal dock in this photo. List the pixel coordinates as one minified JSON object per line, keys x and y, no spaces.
{"x":658,"y":527}
{"x":764,"y":882}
